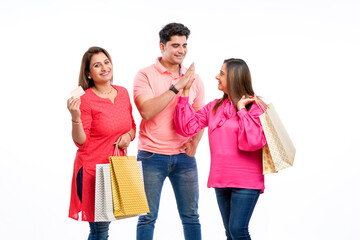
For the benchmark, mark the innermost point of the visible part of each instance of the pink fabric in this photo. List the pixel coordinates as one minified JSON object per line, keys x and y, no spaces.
{"x":157,"y":134}
{"x":236,"y":140}
{"x":103,"y":123}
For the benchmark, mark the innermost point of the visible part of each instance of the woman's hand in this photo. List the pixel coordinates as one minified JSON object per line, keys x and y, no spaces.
{"x":187,"y":79}
{"x":244,"y":101}
{"x":123,"y":141}
{"x":73,"y":104}
{"x":78,"y":134}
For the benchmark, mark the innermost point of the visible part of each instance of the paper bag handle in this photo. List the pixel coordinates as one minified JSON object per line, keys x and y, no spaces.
{"x":116,"y":151}
{"x":260,"y":104}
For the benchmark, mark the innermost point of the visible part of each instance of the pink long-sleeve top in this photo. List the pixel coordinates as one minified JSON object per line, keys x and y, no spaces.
{"x":236,"y":140}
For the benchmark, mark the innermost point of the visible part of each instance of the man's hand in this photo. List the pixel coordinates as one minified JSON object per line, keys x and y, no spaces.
{"x":189,"y":148}
{"x":188,"y":78}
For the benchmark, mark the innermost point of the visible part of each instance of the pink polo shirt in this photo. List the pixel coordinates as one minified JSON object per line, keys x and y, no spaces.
{"x":157,"y":135}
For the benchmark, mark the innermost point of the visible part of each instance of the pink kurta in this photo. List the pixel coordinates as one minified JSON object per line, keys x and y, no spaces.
{"x":236,"y":140}
{"x":103,"y":122}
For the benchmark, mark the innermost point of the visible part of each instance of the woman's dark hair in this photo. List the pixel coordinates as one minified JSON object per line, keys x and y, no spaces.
{"x":173,"y":29}
{"x":238,"y":82}
{"x":84,"y":81}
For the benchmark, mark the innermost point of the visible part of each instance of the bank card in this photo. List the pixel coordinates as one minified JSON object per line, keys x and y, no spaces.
{"x":76,"y":93}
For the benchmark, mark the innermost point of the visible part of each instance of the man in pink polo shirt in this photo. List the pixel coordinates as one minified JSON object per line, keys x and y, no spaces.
{"x":163,"y":152}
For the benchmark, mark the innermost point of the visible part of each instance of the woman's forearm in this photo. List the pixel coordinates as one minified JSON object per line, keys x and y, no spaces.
{"x":78,"y":133}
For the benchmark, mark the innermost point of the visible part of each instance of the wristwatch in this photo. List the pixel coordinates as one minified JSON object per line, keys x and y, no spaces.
{"x":172,"y":88}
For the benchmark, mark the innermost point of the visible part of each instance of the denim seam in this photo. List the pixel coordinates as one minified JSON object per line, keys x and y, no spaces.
{"x":170,"y":168}
{"x":253,"y":208}
{"x":145,"y":158}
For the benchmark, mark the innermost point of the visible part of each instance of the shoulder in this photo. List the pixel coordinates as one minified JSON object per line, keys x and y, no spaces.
{"x":147,"y":70}
{"x":89,"y":94}
{"x":122,"y":92}
{"x":120,"y":88}
{"x":86,"y":99}
{"x":146,"y":74}
{"x":212,"y":103}
{"x":210,"y":106}
{"x":198,"y":81}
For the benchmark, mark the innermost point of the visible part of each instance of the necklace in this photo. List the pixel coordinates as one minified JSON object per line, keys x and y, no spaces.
{"x":104,"y":93}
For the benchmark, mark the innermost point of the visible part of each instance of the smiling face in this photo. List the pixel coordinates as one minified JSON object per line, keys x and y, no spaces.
{"x":100,"y":68}
{"x":174,"y":51}
{"x":222,"y":79}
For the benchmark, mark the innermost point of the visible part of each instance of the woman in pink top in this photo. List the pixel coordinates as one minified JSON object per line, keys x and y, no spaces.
{"x":100,"y":118}
{"x":236,"y":140}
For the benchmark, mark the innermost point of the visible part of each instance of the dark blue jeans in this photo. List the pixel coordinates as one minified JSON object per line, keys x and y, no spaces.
{"x":182,"y":172}
{"x":99,"y":230}
{"x":236,"y":207}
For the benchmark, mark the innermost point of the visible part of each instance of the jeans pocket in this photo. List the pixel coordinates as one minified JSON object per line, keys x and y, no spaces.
{"x":143,"y":155}
{"x":189,"y":157}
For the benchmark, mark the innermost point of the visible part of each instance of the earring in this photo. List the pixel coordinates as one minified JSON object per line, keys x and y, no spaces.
{"x":89,"y":77}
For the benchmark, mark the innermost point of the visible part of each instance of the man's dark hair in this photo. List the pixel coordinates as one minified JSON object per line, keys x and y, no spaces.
{"x":173,"y":29}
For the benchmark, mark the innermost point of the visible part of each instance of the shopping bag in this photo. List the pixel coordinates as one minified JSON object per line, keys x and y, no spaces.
{"x":103,"y":194}
{"x":104,"y":208}
{"x":279,"y":151}
{"x":127,"y":186}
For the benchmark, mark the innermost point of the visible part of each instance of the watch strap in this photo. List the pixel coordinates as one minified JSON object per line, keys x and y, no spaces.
{"x":172,"y":88}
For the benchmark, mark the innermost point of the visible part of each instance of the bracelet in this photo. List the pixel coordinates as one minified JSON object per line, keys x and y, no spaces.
{"x":76,"y":122}
{"x":130,"y":136}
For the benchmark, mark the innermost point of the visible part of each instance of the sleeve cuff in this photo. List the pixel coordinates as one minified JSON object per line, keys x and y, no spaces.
{"x":183,"y":100}
{"x":242,"y":112}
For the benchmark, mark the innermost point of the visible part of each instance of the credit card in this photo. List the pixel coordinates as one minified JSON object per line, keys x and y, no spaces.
{"x":76,"y":93}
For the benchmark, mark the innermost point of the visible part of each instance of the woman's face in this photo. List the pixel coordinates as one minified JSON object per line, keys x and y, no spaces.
{"x":100,"y":68}
{"x":222,"y":79}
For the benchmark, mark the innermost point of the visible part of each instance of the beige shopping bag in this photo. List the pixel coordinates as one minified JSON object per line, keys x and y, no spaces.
{"x":279,"y":151}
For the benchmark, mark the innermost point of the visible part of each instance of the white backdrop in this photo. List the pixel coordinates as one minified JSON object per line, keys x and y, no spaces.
{"x":303,"y":55}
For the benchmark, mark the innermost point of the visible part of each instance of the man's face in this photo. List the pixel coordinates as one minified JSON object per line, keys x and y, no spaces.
{"x":174,"y":51}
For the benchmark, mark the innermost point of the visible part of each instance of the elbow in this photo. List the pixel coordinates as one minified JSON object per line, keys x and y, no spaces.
{"x":145,"y":115}
{"x":251,"y":146}
{"x":184,"y":132}
{"x":80,"y":141}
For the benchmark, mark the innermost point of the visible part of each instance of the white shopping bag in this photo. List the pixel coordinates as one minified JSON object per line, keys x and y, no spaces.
{"x":103,"y":196}
{"x":104,"y":208}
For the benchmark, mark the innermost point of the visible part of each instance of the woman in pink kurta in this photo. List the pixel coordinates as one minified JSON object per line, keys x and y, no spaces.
{"x":236,"y":140}
{"x":101,"y":118}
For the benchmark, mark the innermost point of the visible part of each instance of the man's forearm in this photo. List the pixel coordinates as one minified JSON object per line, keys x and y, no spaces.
{"x":149,"y":108}
{"x":196,"y":139}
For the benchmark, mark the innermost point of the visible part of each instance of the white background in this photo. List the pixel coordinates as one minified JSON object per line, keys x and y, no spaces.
{"x":303,"y":56}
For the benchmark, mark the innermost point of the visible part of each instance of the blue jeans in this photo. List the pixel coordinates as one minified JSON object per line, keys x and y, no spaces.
{"x":99,"y":230}
{"x":236,"y":207}
{"x":182,"y":172}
